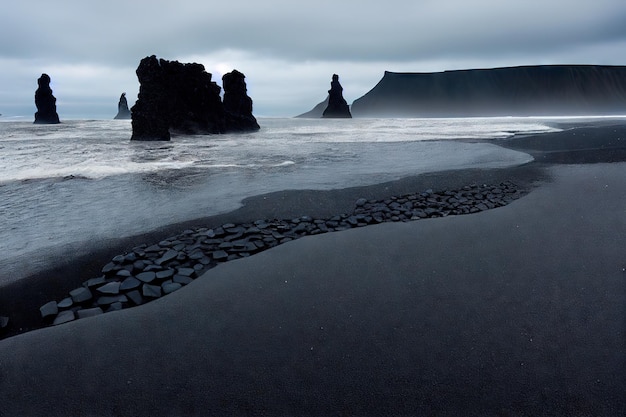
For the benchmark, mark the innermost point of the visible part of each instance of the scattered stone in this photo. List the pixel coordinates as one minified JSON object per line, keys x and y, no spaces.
{"x":152,"y":291}
{"x":146,"y":276}
{"x":45,"y":102}
{"x":176,"y":261}
{"x":64,"y":317}
{"x":49,"y":309}
{"x":110,"y":288}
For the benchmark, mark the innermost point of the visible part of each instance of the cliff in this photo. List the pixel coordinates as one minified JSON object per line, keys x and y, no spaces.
{"x":514,"y":91}
{"x":317,"y":111}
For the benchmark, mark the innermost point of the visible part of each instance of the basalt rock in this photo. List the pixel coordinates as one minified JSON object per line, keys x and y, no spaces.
{"x":237,"y":104}
{"x":182,"y":98}
{"x":337,"y":105}
{"x":45,"y":102}
{"x":123,"y":112}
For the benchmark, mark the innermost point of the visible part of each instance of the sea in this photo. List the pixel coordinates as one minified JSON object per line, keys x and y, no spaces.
{"x":65,"y":187}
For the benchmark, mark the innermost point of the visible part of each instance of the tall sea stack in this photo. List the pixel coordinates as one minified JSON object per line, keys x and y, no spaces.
{"x":122,"y":108}
{"x":182,"y":98}
{"x":237,"y":104}
{"x":337,"y":105}
{"x":45,"y":102}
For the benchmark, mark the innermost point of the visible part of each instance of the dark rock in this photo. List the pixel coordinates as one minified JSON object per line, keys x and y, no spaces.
{"x":64,"y":317}
{"x":182,"y":279}
{"x":45,"y":102}
{"x":135,"y":297}
{"x":130,"y":283}
{"x":123,"y":112}
{"x":110,"y":288}
{"x":93,"y":282}
{"x":110,"y":299}
{"x":170,"y":287}
{"x":80,"y":295}
{"x":237,"y":104}
{"x":337,"y":105}
{"x":67,"y":302}
{"x":49,"y":309}
{"x":182,"y":98}
{"x":89,"y":312}
{"x":152,"y":291}
{"x":4,"y":322}
{"x":146,"y":276}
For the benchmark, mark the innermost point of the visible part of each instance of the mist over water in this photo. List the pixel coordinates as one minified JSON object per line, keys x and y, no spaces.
{"x":69,"y":186}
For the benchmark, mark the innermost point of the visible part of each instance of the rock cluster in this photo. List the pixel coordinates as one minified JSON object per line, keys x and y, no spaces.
{"x":152,"y":271}
{"x":182,"y":98}
{"x":123,"y":111}
{"x":45,"y":102}
{"x":337,"y":105}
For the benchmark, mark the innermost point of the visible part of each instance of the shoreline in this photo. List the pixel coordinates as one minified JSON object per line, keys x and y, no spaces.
{"x":593,"y":143}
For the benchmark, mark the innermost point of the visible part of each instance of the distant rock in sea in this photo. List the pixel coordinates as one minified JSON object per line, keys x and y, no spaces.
{"x":45,"y":102}
{"x":550,"y":90}
{"x":123,"y":111}
{"x":316,"y":112}
{"x":182,"y":98}
{"x":237,"y":104}
{"x":337,"y":105}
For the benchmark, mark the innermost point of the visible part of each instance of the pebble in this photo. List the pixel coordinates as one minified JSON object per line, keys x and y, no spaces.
{"x":148,"y":272}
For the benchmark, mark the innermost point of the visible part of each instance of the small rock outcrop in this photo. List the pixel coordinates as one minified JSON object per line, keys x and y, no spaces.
{"x":337,"y":105}
{"x":45,"y":102}
{"x":182,"y":98}
{"x":123,"y":112}
{"x":237,"y":104}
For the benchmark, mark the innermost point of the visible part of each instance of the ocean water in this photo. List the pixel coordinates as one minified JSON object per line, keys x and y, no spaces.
{"x":68,"y":186}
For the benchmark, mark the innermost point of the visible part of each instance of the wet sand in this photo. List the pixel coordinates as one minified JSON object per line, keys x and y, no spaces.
{"x":513,"y":311}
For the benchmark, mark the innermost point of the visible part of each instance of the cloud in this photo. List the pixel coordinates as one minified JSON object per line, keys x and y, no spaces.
{"x":287,"y":49}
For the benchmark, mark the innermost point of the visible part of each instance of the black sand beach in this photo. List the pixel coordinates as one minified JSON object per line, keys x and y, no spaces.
{"x":513,"y":311}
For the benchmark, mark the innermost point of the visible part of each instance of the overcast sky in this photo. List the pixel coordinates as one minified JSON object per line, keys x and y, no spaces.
{"x":287,"y":49}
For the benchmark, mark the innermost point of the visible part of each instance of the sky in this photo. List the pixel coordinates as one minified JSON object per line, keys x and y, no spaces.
{"x":288,"y":50}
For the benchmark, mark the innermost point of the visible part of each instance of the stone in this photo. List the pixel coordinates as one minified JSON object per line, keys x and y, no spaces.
{"x":146,"y":276}
{"x":94,"y":282}
{"x":337,"y":105}
{"x":182,"y":98}
{"x":170,"y":287}
{"x":45,"y":102}
{"x":110,"y":288}
{"x":64,"y":317}
{"x":167,"y":256}
{"x":80,"y":295}
{"x":67,"y":302}
{"x":220,"y":255}
{"x":167,"y":273}
{"x":182,"y":279}
{"x":89,"y":312}
{"x":186,"y":271}
{"x":110,"y":299}
{"x":135,"y":297}
{"x":4,"y":322}
{"x":123,"y":112}
{"x":152,"y":291}
{"x":49,"y":309}
{"x":130,"y":283}
{"x":116,"y":306}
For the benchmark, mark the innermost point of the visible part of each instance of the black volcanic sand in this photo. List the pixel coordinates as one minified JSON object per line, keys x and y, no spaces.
{"x":513,"y":311}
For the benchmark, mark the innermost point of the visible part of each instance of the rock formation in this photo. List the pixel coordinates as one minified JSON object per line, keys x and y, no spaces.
{"x":550,"y":90}
{"x":237,"y":104}
{"x":45,"y":102}
{"x":337,"y":106}
{"x":182,"y":98}
{"x":122,"y":108}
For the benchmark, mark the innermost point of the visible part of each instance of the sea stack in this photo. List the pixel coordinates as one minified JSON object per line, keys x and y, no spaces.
{"x":237,"y":104}
{"x":122,"y":108}
{"x":182,"y":98}
{"x":45,"y":102}
{"x":337,"y":105}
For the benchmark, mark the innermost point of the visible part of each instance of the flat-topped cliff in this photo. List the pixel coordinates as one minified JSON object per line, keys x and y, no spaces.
{"x":513,"y":91}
